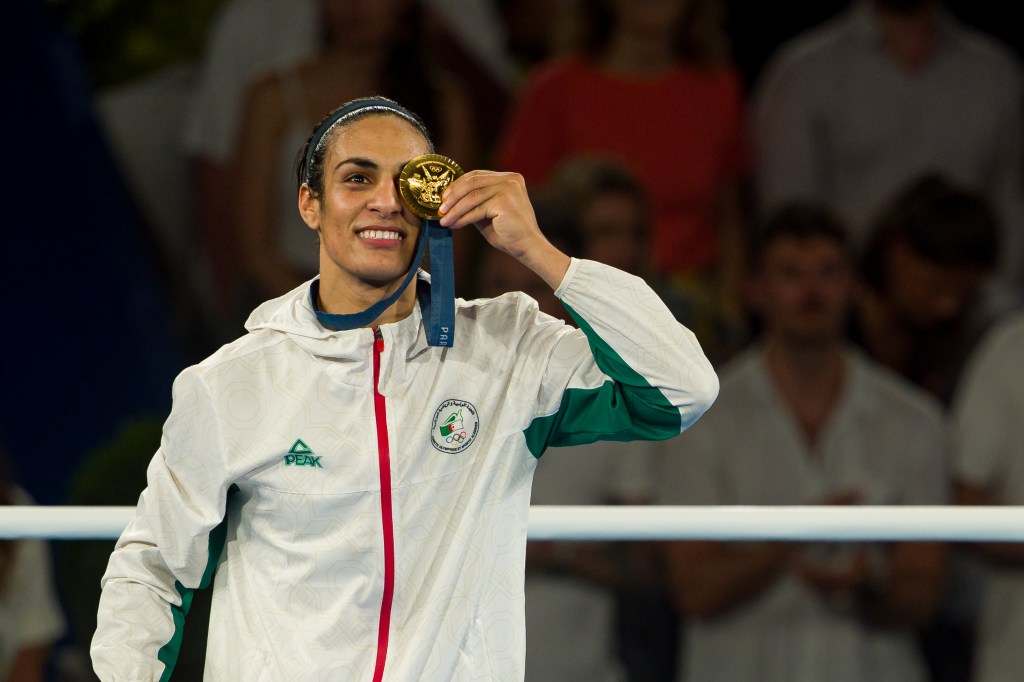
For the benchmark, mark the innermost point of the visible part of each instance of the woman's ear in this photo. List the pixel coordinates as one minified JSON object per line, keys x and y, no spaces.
{"x":309,"y":207}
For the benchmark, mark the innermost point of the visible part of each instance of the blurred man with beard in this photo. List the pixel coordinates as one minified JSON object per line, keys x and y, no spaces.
{"x":803,"y":418}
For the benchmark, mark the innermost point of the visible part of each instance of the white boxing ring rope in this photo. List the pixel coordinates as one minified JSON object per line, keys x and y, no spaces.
{"x":820,"y":523}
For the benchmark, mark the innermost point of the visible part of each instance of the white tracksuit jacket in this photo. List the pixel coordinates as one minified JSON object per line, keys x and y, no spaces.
{"x":359,"y":499}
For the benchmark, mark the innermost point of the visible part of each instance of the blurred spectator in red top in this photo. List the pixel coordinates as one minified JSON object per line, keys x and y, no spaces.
{"x":652,"y":86}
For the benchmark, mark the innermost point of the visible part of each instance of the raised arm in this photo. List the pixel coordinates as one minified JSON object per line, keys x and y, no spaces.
{"x":499,"y":206}
{"x":631,"y":371}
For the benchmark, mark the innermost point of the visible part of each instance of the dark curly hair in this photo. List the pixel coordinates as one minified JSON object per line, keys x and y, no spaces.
{"x":946,"y":223}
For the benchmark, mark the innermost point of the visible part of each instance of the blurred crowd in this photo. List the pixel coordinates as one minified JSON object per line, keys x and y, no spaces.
{"x":841,"y":224}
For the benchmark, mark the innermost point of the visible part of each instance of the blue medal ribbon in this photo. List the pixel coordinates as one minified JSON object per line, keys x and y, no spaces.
{"x":439,"y":315}
{"x":438,"y":306}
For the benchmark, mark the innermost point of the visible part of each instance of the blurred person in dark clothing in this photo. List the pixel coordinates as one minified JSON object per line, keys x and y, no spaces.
{"x":924,"y":267}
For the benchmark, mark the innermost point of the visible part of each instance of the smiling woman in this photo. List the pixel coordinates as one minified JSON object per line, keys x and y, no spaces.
{"x":399,"y":543}
{"x":369,"y":48}
{"x":349,"y":195}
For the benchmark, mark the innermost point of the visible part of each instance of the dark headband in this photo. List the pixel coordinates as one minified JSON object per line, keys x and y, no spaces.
{"x":362,"y":106}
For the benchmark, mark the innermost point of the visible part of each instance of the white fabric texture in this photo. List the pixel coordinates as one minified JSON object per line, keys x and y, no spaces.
{"x":298,"y":590}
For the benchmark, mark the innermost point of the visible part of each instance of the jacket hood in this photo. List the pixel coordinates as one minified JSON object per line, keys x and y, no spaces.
{"x":293,"y":314}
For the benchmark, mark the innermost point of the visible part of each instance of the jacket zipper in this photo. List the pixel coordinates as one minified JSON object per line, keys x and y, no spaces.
{"x":387,"y":518}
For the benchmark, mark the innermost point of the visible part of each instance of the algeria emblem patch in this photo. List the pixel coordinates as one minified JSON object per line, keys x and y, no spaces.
{"x":455,"y":426}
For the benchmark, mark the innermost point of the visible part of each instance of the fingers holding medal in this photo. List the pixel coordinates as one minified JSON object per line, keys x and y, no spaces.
{"x":498,"y":204}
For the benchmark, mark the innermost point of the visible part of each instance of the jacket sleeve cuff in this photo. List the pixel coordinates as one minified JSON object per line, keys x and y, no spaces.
{"x":567,"y":278}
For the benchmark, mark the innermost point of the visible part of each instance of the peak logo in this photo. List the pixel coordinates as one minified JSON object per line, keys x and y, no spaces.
{"x":301,"y":455}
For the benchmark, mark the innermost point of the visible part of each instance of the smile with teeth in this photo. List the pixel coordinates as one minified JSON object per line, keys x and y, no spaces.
{"x":381,"y":234}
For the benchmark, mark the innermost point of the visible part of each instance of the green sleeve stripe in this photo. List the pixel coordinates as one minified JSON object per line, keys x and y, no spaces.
{"x":625,"y":409}
{"x":168,"y":654}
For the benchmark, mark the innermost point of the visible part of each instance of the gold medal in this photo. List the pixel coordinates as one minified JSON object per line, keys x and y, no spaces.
{"x":422,"y":183}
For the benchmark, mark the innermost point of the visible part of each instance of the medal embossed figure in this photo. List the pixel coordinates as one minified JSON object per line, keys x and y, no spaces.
{"x":423,"y":181}
{"x":421,"y":184}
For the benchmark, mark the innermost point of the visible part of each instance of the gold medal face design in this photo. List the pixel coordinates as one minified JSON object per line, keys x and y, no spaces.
{"x":423,"y":180}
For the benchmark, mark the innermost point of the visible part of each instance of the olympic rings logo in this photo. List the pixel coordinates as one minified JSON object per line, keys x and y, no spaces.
{"x":456,"y":437}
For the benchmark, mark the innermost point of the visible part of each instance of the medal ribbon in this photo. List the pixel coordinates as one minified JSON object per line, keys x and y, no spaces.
{"x":439,"y":315}
{"x":438,"y":309}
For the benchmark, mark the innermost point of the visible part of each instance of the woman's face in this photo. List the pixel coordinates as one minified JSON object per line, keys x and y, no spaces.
{"x":367,"y":234}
